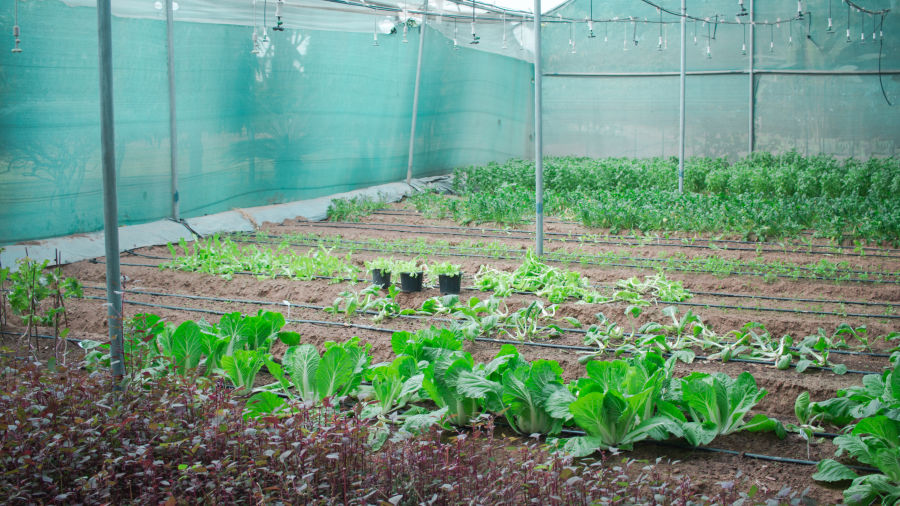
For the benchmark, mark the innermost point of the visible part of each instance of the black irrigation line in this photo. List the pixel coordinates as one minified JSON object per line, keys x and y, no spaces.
{"x":574,"y":238}
{"x":791,"y":299}
{"x":402,"y":316}
{"x":783,"y":310}
{"x":481,"y":339}
{"x":547,"y":258}
{"x":576,"y":432}
{"x":656,"y":260}
{"x":711,"y":294}
{"x":757,"y":456}
{"x":693,"y":304}
{"x":402,"y":212}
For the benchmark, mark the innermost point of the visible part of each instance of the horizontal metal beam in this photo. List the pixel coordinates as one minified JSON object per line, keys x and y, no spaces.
{"x":725,"y":73}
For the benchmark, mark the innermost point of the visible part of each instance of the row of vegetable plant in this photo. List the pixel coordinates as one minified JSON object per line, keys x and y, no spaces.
{"x":433,"y":381}
{"x":761,"y":197}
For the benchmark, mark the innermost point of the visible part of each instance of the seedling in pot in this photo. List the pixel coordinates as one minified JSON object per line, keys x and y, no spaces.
{"x":449,"y":277}
{"x":381,"y":269}
{"x":411,"y":273}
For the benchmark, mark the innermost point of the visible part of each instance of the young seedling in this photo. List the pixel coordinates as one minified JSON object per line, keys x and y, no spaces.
{"x":807,"y":421}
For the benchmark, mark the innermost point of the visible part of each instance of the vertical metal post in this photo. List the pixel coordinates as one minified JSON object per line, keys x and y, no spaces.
{"x":173,"y":128}
{"x":415,"y":110}
{"x":681,"y":107}
{"x":751,"y":128}
{"x":110,"y":204}
{"x":538,"y":134}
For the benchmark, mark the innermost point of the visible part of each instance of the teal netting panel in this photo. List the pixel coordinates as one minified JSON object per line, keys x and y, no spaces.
{"x":318,"y":113}
{"x":833,"y":113}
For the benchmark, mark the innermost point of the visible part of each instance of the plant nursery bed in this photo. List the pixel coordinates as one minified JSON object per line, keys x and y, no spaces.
{"x":816,"y":291}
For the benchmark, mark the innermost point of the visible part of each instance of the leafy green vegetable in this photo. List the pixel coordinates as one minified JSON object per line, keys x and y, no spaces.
{"x":395,"y":384}
{"x":878,"y":395}
{"x":620,"y":403}
{"x":242,"y":366}
{"x":336,"y":373}
{"x":532,"y":395}
{"x":874,"y":441}
{"x":717,"y":405}
{"x":184,"y":345}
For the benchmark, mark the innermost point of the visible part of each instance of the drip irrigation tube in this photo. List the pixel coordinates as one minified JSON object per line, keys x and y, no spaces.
{"x":791,"y":299}
{"x":711,"y":294}
{"x":578,"y":238}
{"x":783,"y":310}
{"x":420,"y":317}
{"x":502,"y":341}
{"x":694,"y":304}
{"x":548,"y":258}
{"x":729,"y":241}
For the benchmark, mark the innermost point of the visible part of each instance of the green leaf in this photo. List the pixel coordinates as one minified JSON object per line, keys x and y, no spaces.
{"x":242,"y":367}
{"x":802,"y":408}
{"x":187,"y":346}
{"x":264,"y":403}
{"x":830,"y":470}
{"x":302,"y":363}
{"x":697,"y":434}
{"x":334,"y":372}
{"x":289,"y":338}
{"x":881,"y":427}
{"x":583,"y":446}
{"x":762,"y":423}
{"x":803,"y":364}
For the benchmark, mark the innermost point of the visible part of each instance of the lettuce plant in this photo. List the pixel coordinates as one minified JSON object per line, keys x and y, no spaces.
{"x":393,"y":385}
{"x":535,"y":398}
{"x":620,"y":403}
{"x":878,"y":395}
{"x":337,"y":372}
{"x":717,"y":405}
{"x":874,"y":441}
{"x":441,"y":383}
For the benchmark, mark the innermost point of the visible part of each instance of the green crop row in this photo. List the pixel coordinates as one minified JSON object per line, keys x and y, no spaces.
{"x":759,"y":198}
{"x":785,"y":175}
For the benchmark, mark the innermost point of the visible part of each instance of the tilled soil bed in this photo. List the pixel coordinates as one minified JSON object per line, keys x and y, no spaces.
{"x":723,"y":303}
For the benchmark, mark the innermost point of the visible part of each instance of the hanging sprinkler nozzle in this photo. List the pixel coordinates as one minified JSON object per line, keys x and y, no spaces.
{"x":16,"y":49}
{"x":279,"y":24}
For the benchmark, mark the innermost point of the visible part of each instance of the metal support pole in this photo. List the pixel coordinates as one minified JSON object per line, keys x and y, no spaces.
{"x":415,"y":110}
{"x":681,"y":108}
{"x":751,"y":128}
{"x":110,"y":204}
{"x":538,"y":134}
{"x":173,"y":128}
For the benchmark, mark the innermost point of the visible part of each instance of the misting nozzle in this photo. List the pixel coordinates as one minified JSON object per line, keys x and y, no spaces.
{"x":16,"y":49}
{"x":279,"y":25}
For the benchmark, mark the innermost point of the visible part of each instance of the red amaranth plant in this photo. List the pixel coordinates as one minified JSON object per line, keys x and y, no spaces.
{"x":65,"y":439}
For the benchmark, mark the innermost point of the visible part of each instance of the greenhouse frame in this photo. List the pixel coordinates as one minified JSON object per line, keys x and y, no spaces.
{"x":607,"y":170}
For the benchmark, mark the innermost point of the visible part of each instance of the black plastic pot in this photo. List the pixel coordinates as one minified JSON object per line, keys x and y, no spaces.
{"x":381,"y":278}
{"x":411,"y":281}
{"x":449,"y":284}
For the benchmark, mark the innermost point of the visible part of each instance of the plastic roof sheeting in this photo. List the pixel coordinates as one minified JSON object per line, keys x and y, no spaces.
{"x":509,"y":34}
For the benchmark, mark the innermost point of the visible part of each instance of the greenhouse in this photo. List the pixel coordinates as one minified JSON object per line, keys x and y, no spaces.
{"x":450,"y":251}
